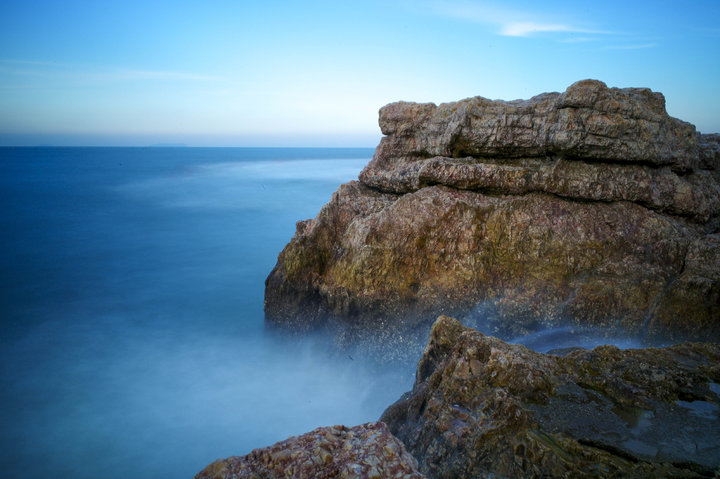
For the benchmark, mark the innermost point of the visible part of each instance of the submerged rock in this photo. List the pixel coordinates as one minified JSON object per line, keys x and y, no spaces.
{"x":484,"y":408}
{"x":592,"y":207}
{"x":365,"y":451}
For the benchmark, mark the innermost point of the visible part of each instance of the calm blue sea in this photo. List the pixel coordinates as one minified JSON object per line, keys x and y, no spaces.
{"x":131,"y":309}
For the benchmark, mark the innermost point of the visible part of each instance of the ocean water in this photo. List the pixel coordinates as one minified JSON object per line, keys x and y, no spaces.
{"x":132,"y":341}
{"x":131,"y":310}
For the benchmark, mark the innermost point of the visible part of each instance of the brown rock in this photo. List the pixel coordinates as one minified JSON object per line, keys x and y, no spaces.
{"x":709,"y":153}
{"x":527,"y":261}
{"x":586,"y":207}
{"x":587,"y":121}
{"x":695,"y":195}
{"x":691,"y":304}
{"x":484,"y":408}
{"x":365,"y":451}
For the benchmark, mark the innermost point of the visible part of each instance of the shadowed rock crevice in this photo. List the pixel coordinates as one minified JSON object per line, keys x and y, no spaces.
{"x":588,"y":208}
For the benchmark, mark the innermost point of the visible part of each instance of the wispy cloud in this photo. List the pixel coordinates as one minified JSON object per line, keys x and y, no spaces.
{"x":97,"y":73}
{"x":524,"y":29}
{"x":511,"y":23}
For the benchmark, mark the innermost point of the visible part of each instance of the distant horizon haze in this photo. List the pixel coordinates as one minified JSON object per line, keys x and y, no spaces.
{"x":191,"y":141}
{"x":315,"y":73}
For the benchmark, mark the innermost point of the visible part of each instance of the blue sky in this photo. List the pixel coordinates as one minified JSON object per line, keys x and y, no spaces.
{"x":315,"y":73}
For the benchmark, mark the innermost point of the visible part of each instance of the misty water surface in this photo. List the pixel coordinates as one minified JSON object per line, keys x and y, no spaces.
{"x":132,"y":339}
{"x":132,"y":323}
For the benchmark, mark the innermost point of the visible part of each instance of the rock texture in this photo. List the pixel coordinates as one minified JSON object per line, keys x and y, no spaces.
{"x":587,"y":121}
{"x":591,"y":207}
{"x":484,"y":408}
{"x":365,"y":451}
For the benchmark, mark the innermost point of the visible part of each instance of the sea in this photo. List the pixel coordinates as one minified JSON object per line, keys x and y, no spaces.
{"x":132,"y":338}
{"x":132,"y":335}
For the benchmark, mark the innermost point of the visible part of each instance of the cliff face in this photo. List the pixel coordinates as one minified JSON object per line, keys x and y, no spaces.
{"x":484,"y":408}
{"x":592,"y":207}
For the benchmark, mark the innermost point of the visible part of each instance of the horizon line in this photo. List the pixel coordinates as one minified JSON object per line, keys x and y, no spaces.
{"x":187,"y":146}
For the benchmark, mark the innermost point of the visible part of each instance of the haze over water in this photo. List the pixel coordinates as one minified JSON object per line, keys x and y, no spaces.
{"x":132,"y":340}
{"x":131,"y":335}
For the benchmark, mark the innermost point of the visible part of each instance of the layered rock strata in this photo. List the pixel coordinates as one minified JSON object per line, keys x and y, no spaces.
{"x":365,"y":451}
{"x":484,"y":408}
{"x":592,"y":207}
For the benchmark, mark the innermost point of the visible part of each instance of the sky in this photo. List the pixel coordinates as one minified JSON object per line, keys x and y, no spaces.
{"x":315,"y":73}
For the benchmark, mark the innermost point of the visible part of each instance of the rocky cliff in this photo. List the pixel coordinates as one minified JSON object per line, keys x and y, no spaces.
{"x":484,"y":408}
{"x":591,"y":207}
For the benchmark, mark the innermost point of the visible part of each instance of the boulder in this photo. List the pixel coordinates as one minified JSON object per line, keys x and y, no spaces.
{"x":588,"y":208}
{"x":483,"y":408}
{"x":364,"y":451}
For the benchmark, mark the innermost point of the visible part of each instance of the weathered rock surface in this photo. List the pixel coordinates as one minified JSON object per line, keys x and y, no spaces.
{"x":692,"y":195}
{"x":709,"y":152}
{"x":365,"y":451}
{"x":591,"y":207}
{"x":484,"y":408}
{"x":588,"y":121}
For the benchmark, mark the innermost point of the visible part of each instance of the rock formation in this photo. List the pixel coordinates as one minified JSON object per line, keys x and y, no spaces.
{"x":592,"y":207}
{"x":481,"y":407}
{"x":484,"y":408}
{"x":365,"y":451}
